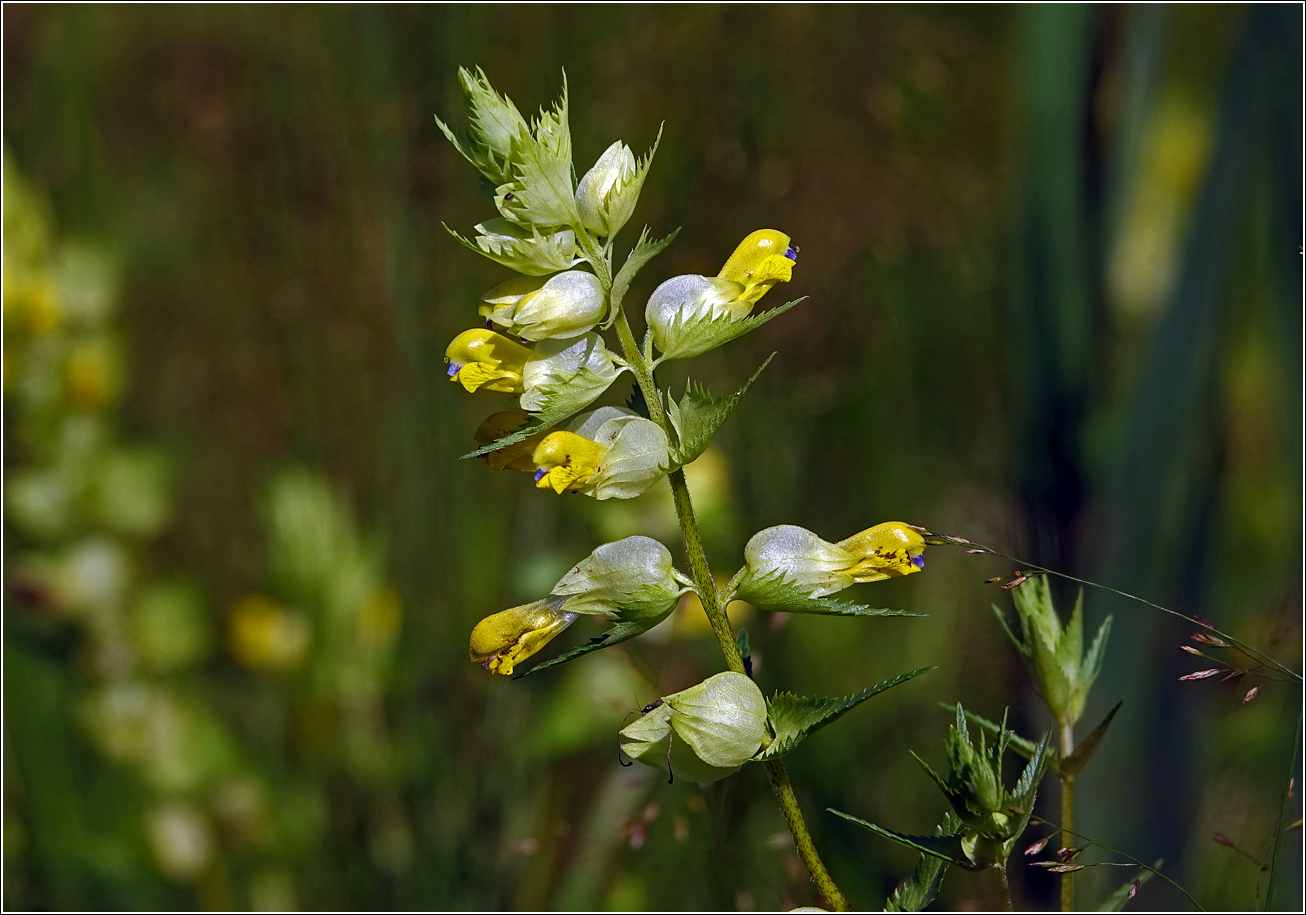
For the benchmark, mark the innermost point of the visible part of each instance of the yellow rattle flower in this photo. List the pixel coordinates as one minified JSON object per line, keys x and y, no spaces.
{"x":480,"y":358}
{"x":504,"y":639}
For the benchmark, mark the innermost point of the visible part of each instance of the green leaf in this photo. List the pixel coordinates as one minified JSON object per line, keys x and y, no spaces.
{"x":1092,"y":663}
{"x":541,"y":192}
{"x":1006,"y":627}
{"x":1084,"y":752}
{"x":777,"y":592}
{"x":620,"y":632}
{"x":794,"y":718}
{"x":643,"y":252}
{"x":1116,"y":901}
{"x":1027,"y":788}
{"x":693,"y":338}
{"x":915,"y":893}
{"x":562,"y":399}
{"x":948,"y":848}
{"x":699,"y":416}
{"x":531,"y":252}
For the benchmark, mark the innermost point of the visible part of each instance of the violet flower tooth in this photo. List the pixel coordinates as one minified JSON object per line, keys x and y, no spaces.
{"x":454,"y":368}
{"x":918,"y":560}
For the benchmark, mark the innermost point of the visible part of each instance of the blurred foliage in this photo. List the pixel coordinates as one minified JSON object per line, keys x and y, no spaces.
{"x":1054,"y":272}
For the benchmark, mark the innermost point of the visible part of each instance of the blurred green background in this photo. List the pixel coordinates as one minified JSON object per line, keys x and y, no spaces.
{"x":1054,"y":268}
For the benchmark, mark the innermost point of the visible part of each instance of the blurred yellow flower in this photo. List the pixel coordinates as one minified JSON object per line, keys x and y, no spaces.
{"x":89,"y":375}
{"x":264,"y":635}
{"x":381,"y":618}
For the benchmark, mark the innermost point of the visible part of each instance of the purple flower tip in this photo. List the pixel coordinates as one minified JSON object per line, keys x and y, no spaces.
{"x":455,"y":368}
{"x":918,"y":560}
{"x":792,"y":253}
{"x":539,"y":474}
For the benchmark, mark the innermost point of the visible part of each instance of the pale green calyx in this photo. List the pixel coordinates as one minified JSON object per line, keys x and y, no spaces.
{"x":564,"y":305}
{"x":608,"y":192}
{"x":703,"y":733}
{"x":1065,"y":674}
{"x":814,"y":565}
{"x":683,"y":312}
{"x":533,"y":251}
{"x":575,"y":370}
{"x":630,"y":579}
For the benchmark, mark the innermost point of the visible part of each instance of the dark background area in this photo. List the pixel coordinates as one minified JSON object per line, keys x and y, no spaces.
{"x":1053,"y":261}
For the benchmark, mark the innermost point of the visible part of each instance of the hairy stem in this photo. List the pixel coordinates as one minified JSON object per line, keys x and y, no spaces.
{"x":784,"y":791}
{"x":1067,"y":815}
{"x":716,"y":614}
{"x":1004,"y":888}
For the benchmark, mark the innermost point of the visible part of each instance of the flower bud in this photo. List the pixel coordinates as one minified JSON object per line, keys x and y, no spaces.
{"x":707,"y":731}
{"x":1055,"y":654}
{"x":495,"y":121}
{"x":630,"y":579}
{"x":819,"y":568}
{"x":533,"y":251}
{"x":502,"y":640}
{"x":618,"y":458}
{"x":689,"y":315}
{"x":480,"y":358}
{"x":583,"y":364}
{"x":608,"y":192}
{"x":563,"y":305}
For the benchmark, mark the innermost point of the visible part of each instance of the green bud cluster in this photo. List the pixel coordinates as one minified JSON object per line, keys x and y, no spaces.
{"x":1055,"y":654}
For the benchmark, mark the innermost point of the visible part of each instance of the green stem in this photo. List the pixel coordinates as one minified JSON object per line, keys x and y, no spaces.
{"x":1004,"y":888}
{"x":784,"y":792}
{"x":1067,"y":815}
{"x":712,"y":606}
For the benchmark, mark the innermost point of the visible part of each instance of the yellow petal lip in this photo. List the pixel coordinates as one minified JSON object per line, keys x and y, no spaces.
{"x":761,"y":260}
{"x":480,"y":358}
{"x":504,"y":639}
{"x":888,"y":550}
{"x":565,"y":460}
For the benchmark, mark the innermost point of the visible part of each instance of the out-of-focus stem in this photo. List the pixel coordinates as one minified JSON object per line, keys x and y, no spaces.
{"x":1004,"y":888}
{"x":1067,"y":815}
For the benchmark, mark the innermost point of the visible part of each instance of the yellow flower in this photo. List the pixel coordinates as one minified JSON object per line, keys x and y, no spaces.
{"x":819,"y":568}
{"x":566,"y":460}
{"x":764,"y":258}
{"x":264,"y":634}
{"x":608,"y":453}
{"x":480,"y":358}
{"x":516,"y":456}
{"x":689,"y":315}
{"x":501,"y":641}
{"x":888,"y":550}
{"x":630,"y":582}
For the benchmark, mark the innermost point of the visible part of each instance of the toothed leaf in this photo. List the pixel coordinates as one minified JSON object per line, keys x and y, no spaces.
{"x":685,"y":339}
{"x":778,"y":592}
{"x":559,"y":400}
{"x":699,"y":416}
{"x":643,"y":252}
{"x":795,"y":718}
